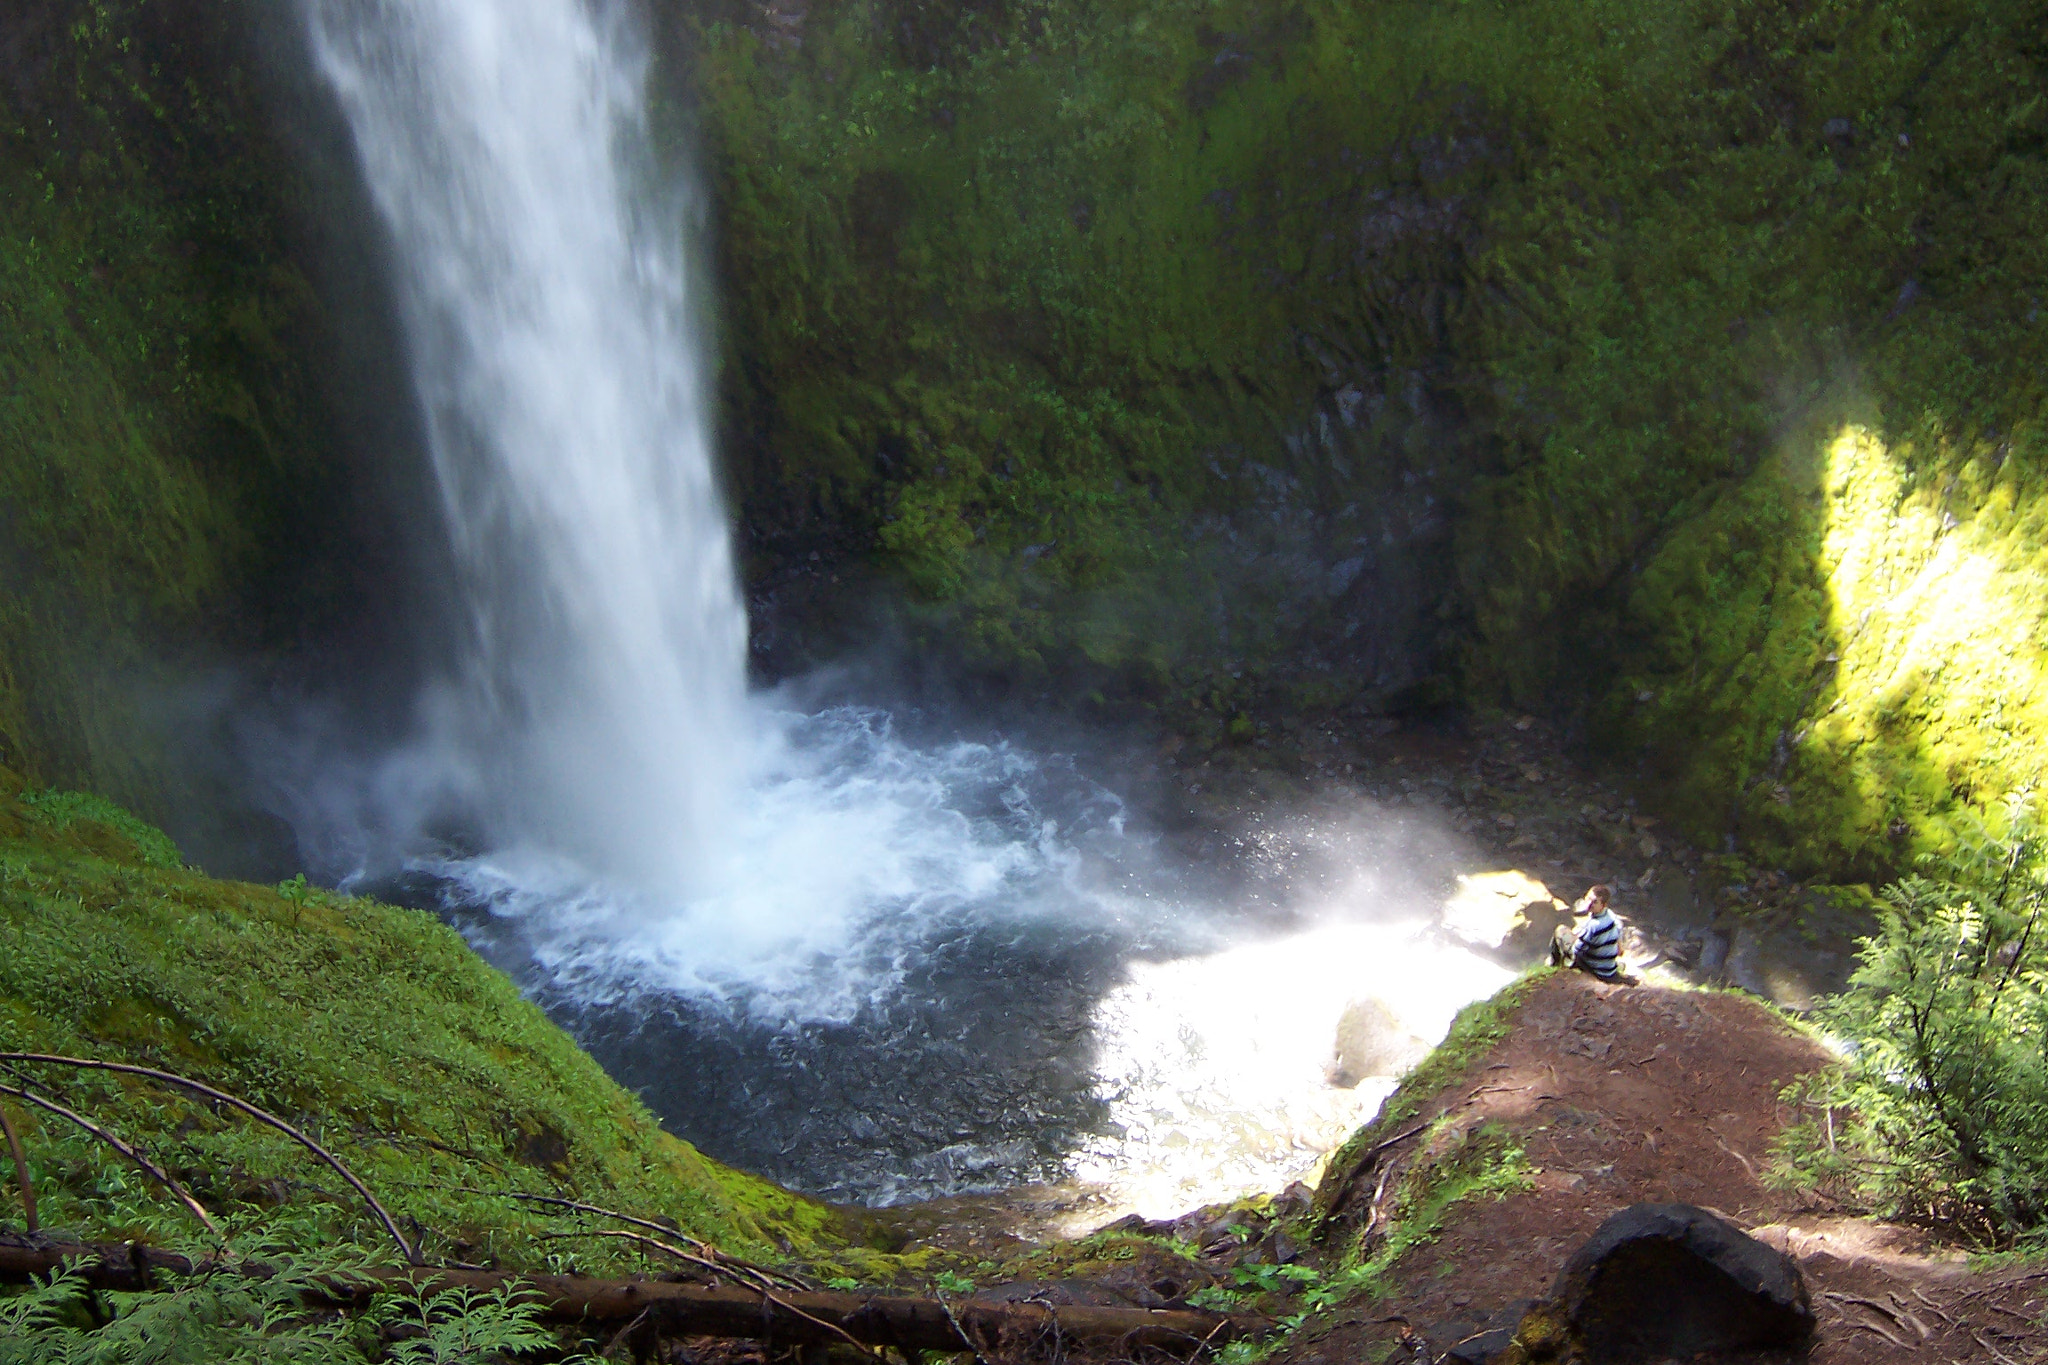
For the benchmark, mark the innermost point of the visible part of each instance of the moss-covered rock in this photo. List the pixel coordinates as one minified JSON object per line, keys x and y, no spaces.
{"x":373,"y":1027}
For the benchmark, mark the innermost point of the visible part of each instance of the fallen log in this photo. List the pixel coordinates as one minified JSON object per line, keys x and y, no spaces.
{"x":732,"y":1311}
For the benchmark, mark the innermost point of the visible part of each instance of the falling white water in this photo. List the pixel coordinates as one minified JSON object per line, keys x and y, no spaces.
{"x":547,"y":300}
{"x":638,"y":828}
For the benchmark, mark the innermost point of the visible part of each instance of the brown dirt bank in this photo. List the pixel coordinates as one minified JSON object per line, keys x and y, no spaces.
{"x":1619,"y":1096}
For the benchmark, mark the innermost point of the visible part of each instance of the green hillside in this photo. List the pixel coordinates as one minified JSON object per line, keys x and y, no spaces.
{"x":373,"y":1028}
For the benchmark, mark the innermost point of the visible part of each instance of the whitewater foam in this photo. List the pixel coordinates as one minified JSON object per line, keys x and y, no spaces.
{"x":847,"y":853}
{"x":604,"y":808}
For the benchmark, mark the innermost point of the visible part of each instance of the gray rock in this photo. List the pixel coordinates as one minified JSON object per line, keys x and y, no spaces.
{"x":1372,"y":1041}
{"x":1294,"y":1202}
{"x":1482,"y":1348}
{"x":1475,"y":1341}
{"x":1745,"y":962}
{"x":1713,"y":952}
{"x":1658,"y":1281}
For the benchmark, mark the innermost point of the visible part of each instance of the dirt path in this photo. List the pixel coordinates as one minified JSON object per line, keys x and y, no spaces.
{"x":1620,"y":1096}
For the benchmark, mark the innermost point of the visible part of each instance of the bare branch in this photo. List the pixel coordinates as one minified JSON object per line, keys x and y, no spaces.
{"x":22,"y":1180}
{"x":730,"y":1262}
{"x":713,"y":1266}
{"x":405,"y":1248}
{"x":149,"y":1168}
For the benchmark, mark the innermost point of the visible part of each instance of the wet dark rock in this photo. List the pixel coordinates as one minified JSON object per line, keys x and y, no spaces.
{"x":1294,"y":1202}
{"x":1670,"y":1280}
{"x":1477,"y":1340}
{"x":1221,"y":1236}
{"x":1482,"y":1348}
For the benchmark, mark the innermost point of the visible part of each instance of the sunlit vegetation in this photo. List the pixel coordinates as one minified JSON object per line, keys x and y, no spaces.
{"x":1941,"y":1113}
{"x":373,"y":1028}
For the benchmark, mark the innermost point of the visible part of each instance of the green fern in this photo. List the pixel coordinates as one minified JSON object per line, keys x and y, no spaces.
{"x":232,"y":1319}
{"x":463,"y":1326}
{"x":1942,"y":1112}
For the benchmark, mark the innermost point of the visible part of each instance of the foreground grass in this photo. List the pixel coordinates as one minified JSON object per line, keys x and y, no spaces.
{"x":373,"y":1027}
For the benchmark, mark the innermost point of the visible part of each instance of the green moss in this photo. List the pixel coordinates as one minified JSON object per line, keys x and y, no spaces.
{"x":62,"y":812}
{"x":1456,"y":1165}
{"x":1060,"y":313}
{"x":161,"y":447}
{"x":375,"y":1028}
{"x":1839,"y":658}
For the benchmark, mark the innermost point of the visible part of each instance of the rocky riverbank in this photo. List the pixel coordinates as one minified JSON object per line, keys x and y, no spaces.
{"x":1552,"y":1109}
{"x":1519,"y":799}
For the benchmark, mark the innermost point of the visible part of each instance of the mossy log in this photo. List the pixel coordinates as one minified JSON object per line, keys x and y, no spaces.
{"x":703,"y":1310}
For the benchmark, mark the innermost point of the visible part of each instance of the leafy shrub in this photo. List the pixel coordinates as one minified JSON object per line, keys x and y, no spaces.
{"x":1946,"y":1090}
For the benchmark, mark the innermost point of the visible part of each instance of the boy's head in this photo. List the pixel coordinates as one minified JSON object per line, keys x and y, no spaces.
{"x":1597,"y":898}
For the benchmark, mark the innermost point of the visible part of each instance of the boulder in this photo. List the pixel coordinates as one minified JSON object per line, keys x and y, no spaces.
{"x":1372,"y":1041}
{"x":1488,"y":908}
{"x":1664,"y":1281}
{"x":1486,"y":1340}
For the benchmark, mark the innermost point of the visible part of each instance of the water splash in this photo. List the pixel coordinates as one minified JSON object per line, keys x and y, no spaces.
{"x":680,"y":869}
{"x":1215,"y":1069}
{"x":851,"y":856}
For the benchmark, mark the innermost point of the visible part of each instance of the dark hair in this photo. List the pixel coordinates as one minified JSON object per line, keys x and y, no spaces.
{"x":1601,"y":892}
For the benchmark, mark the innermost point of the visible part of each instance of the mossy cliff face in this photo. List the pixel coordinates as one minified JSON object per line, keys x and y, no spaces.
{"x":164,"y":477}
{"x":1112,"y":331}
{"x":1622,"y":361}
{"x":1209,"y":357}
{"x":1844,"y":653}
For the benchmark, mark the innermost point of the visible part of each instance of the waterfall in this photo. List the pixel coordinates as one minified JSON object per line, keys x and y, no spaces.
{"x":600,"y":709}
{"x":921,"y":967}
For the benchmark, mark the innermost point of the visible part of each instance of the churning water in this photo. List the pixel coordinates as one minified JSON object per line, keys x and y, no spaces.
{"x":867,"y":966}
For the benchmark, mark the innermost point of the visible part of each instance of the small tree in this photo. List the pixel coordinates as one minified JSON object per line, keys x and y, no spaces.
{"x":1946,"y":1019}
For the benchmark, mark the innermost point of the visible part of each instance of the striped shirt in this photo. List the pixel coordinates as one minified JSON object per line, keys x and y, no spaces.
{"x":1598,"y":947}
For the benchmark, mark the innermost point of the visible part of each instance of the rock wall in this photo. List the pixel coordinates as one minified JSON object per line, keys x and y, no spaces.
{"x":168,"y":495}
{"x":1672,"y":370}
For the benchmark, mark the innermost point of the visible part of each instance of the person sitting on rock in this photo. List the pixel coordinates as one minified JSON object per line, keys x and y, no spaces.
{"x":1595,"y":945}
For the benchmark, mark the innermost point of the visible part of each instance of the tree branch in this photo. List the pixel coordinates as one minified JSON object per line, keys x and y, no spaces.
{"x":908,"y":1324}
{"x":149,"y":1168}
{"x":405,"y":1248}
{"x":22,"y":1179}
